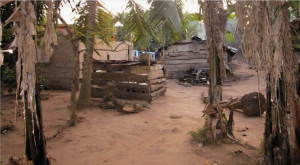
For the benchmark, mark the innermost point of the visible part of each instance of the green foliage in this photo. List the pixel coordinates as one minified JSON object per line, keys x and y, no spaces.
{"x":136,"y":23}
{"x":231,"y":16}
{"x":8,"y":77}
{"x":168,"y":20}
{"x":42,"y":82}
{"x":199,"y":135}
{"x":190,"y":17}
{"x":261,"y":146}
{"x":229,"y":36}
{"x":151,"y":44}
{"x":162,"y":23}
{"x":192,"y":25}
{"x":104,"y":25}
{"x":295,"y":4}
{"x":191,"y":29}
{"x":121,"y":32}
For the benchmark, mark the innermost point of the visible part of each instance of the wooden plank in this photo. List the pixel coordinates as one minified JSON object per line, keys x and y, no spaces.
{"x":194,"y":61}
{"x":186,"y":66}
{"x":174,"y":54}
{"x":157,"y":81}
{"x":139,"y":69}
{"x":111,"y":76}
{"x":190,"y":41}
{"x":187,"y":57}
{"x":185,"y":47}
{"x":115,"y":68}
{"x":131,"y":96}
{"x":156,"y":67}
{"x":109,"y":66}
{"x":197,"y":46}
{"x":121,"y":94}
{"x":156,"y":87}
{"x":154,"y":74}
{"x":136,"y":87}
{"x":160,"y":92}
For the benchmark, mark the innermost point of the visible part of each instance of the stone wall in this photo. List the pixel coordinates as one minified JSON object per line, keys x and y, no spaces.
{"x":58,"y":73}
{"x":183,"y":55}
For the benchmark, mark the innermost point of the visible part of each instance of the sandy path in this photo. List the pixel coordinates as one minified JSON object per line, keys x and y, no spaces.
{"x":150,"y":137}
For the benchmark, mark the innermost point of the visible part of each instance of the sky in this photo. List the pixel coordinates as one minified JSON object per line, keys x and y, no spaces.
{"x":115,"y":6}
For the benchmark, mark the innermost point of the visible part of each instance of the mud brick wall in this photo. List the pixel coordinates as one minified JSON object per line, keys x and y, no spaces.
{"x":58,"y":72}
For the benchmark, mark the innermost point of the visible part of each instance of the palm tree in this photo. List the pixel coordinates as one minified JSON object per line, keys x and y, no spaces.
{"x":93,"y":21}
{"x":85,"y":90}
{"x":266,"y":23}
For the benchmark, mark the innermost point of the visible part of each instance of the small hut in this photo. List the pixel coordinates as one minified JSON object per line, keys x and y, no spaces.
{"x":187,"y":55}
{"x":184,"y":55}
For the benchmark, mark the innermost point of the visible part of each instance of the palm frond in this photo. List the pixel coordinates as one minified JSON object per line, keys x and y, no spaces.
{"x":137,"y":23}
{"x":166,"y":11}
{"x":104,"y":24}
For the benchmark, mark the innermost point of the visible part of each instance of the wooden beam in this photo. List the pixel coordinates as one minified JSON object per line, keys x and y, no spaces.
{"x":180,"y":53}
{"x":114,"y":66}
{"x":160,"y":92}
{"x":156,"y":87}
{"x":111,"y":76}
{"x":155,"y":74}
{"x":129,"y":86}
{"x":157,"y":81}
{"x":194,"y":61}
{"x":186,"y":57}
{"x":131,"y":96}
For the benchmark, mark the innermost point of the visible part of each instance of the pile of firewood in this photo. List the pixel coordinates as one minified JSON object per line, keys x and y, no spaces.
{"x":195,"y":77}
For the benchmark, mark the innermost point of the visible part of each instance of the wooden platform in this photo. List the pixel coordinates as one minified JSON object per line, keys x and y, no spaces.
{"x":132,"y":80}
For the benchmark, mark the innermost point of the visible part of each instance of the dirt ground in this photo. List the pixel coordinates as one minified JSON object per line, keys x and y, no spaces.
{"x":150,"y":137}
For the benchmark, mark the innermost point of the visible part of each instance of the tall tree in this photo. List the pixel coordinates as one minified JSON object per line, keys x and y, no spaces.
{"x":75,"y":81}
{"x":85,"y":90}
{"x":267,"y":42}
{"x":215,"y":21}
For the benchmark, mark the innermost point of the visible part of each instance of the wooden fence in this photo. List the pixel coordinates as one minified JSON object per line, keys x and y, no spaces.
{"x":132,"y":80}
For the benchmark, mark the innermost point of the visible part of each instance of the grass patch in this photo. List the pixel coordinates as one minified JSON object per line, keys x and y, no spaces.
{"x":199,"y":135}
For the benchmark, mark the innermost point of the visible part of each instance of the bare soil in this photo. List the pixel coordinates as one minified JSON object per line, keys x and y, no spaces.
{"x":156,"y":136}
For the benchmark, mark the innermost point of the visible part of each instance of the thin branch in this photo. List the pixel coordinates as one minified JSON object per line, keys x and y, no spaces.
{"x":66,"y":25}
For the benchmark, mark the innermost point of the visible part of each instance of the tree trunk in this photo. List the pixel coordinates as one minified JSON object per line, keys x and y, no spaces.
{"x":282,"y":133}
{"x":85,"y":90}
{"x":35,"y":148}
{"x":74,"y":85}
{"x":215,"y":21}
{"x":268,"y":43}
{"x":75,"y":81}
